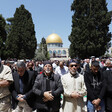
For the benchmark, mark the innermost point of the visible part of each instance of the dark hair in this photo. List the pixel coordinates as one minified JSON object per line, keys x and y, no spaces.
{"x":95,"y":63}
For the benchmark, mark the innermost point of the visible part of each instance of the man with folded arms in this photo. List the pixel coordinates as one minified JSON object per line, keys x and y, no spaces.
{"x":5,"y":81}
{"x":48,"y":89}
{"x":74,"y":90}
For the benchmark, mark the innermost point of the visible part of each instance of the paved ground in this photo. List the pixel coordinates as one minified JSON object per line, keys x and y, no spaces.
{"x":60,"y":110}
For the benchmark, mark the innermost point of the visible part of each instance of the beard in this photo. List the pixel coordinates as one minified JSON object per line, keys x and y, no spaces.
{"x":47,"y":71}
{"x":30,"y":68}
{"x":73,"y":72}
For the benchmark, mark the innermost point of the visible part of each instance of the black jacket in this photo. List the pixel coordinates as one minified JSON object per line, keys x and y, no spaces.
{"x":28,"y":81}
{"x":40,"y":87}
{"x":108,"y":77}
{"x":95,"y":84}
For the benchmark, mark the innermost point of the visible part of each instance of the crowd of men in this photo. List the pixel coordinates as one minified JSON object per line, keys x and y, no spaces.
{"x":34,"y":85}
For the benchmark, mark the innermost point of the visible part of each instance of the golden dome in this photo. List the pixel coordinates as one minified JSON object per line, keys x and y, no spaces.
{"x":53,"y":38}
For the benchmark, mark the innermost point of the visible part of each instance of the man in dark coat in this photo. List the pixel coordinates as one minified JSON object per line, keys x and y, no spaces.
{"x":96,"y":87}
{"x":48,"y":88}
{"x":21,"y":89}
{"x":108,"y":101}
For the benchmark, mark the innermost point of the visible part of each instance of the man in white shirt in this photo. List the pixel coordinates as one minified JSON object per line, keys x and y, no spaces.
{"x":5,"y":80}
{"x":61,"y":69}
{"x":74,"y":90}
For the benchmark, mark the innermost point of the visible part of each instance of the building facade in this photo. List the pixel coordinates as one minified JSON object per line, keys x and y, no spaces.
{"x":55,"y":48}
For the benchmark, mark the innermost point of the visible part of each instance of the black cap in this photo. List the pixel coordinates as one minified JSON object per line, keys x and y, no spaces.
{"x":47,"y":62}
{"x":73,"y":61}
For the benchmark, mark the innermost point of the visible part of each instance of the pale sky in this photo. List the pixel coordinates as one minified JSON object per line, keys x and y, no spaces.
{"x":49,"y":16}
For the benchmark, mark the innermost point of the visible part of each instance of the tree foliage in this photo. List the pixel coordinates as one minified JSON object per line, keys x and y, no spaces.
{"x":90,"y":31}
{"x":2,"y":36}
{"x":21,"y":41}
{"x":42,"y":53}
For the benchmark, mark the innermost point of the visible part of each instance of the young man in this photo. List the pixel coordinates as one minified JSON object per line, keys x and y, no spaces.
{"x":96,"y":86}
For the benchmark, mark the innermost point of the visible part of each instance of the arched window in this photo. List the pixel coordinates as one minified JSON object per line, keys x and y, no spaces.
{"x":54,"y":52}
{"x":59,"y":51}
{"x":50,"y":52}
{"x":64,"y":52}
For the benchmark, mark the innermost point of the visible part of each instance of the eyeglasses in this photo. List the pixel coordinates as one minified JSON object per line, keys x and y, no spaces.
{"x":73,"y":65}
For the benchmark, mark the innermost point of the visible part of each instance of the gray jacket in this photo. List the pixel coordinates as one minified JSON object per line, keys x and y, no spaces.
{"x":40,"y":86}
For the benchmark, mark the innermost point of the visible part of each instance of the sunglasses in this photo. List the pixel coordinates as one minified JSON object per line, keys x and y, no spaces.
{"x":73,"y":65}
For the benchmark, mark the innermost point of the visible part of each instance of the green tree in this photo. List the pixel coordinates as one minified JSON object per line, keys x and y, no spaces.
{"x":42,"y":53}
{"x":90,"y":32}
{"x":43,"y":46}
{"x":21,"y":41}
{"x":39,"y":56}
{"x":2,"y":36}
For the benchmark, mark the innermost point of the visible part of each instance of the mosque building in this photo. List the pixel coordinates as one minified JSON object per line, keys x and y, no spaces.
{"x":55,"y":48}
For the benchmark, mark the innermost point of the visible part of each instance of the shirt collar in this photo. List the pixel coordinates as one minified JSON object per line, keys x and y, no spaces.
{"x":76,"y":75}
{"x":51,"y":77}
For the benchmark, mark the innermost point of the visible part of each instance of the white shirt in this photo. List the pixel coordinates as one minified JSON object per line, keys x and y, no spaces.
{"x":61,"y":71}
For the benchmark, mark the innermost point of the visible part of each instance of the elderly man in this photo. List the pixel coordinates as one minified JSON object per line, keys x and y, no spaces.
{"x":108,"y":65}
{"x":48,"y":89}
{"x":5,"y":81}
{"x":74,"y":90}
{"x":21,"y":89}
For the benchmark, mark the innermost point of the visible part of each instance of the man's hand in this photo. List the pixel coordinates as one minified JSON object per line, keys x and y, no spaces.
{"x":98,"y":108}
{"x":45,"y":100}
{"x":48,"y":96}
{"x":75,"y":95}
{"x":4,"y":83}
{"x":20,"y":98}
{"x":96,"y":102}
